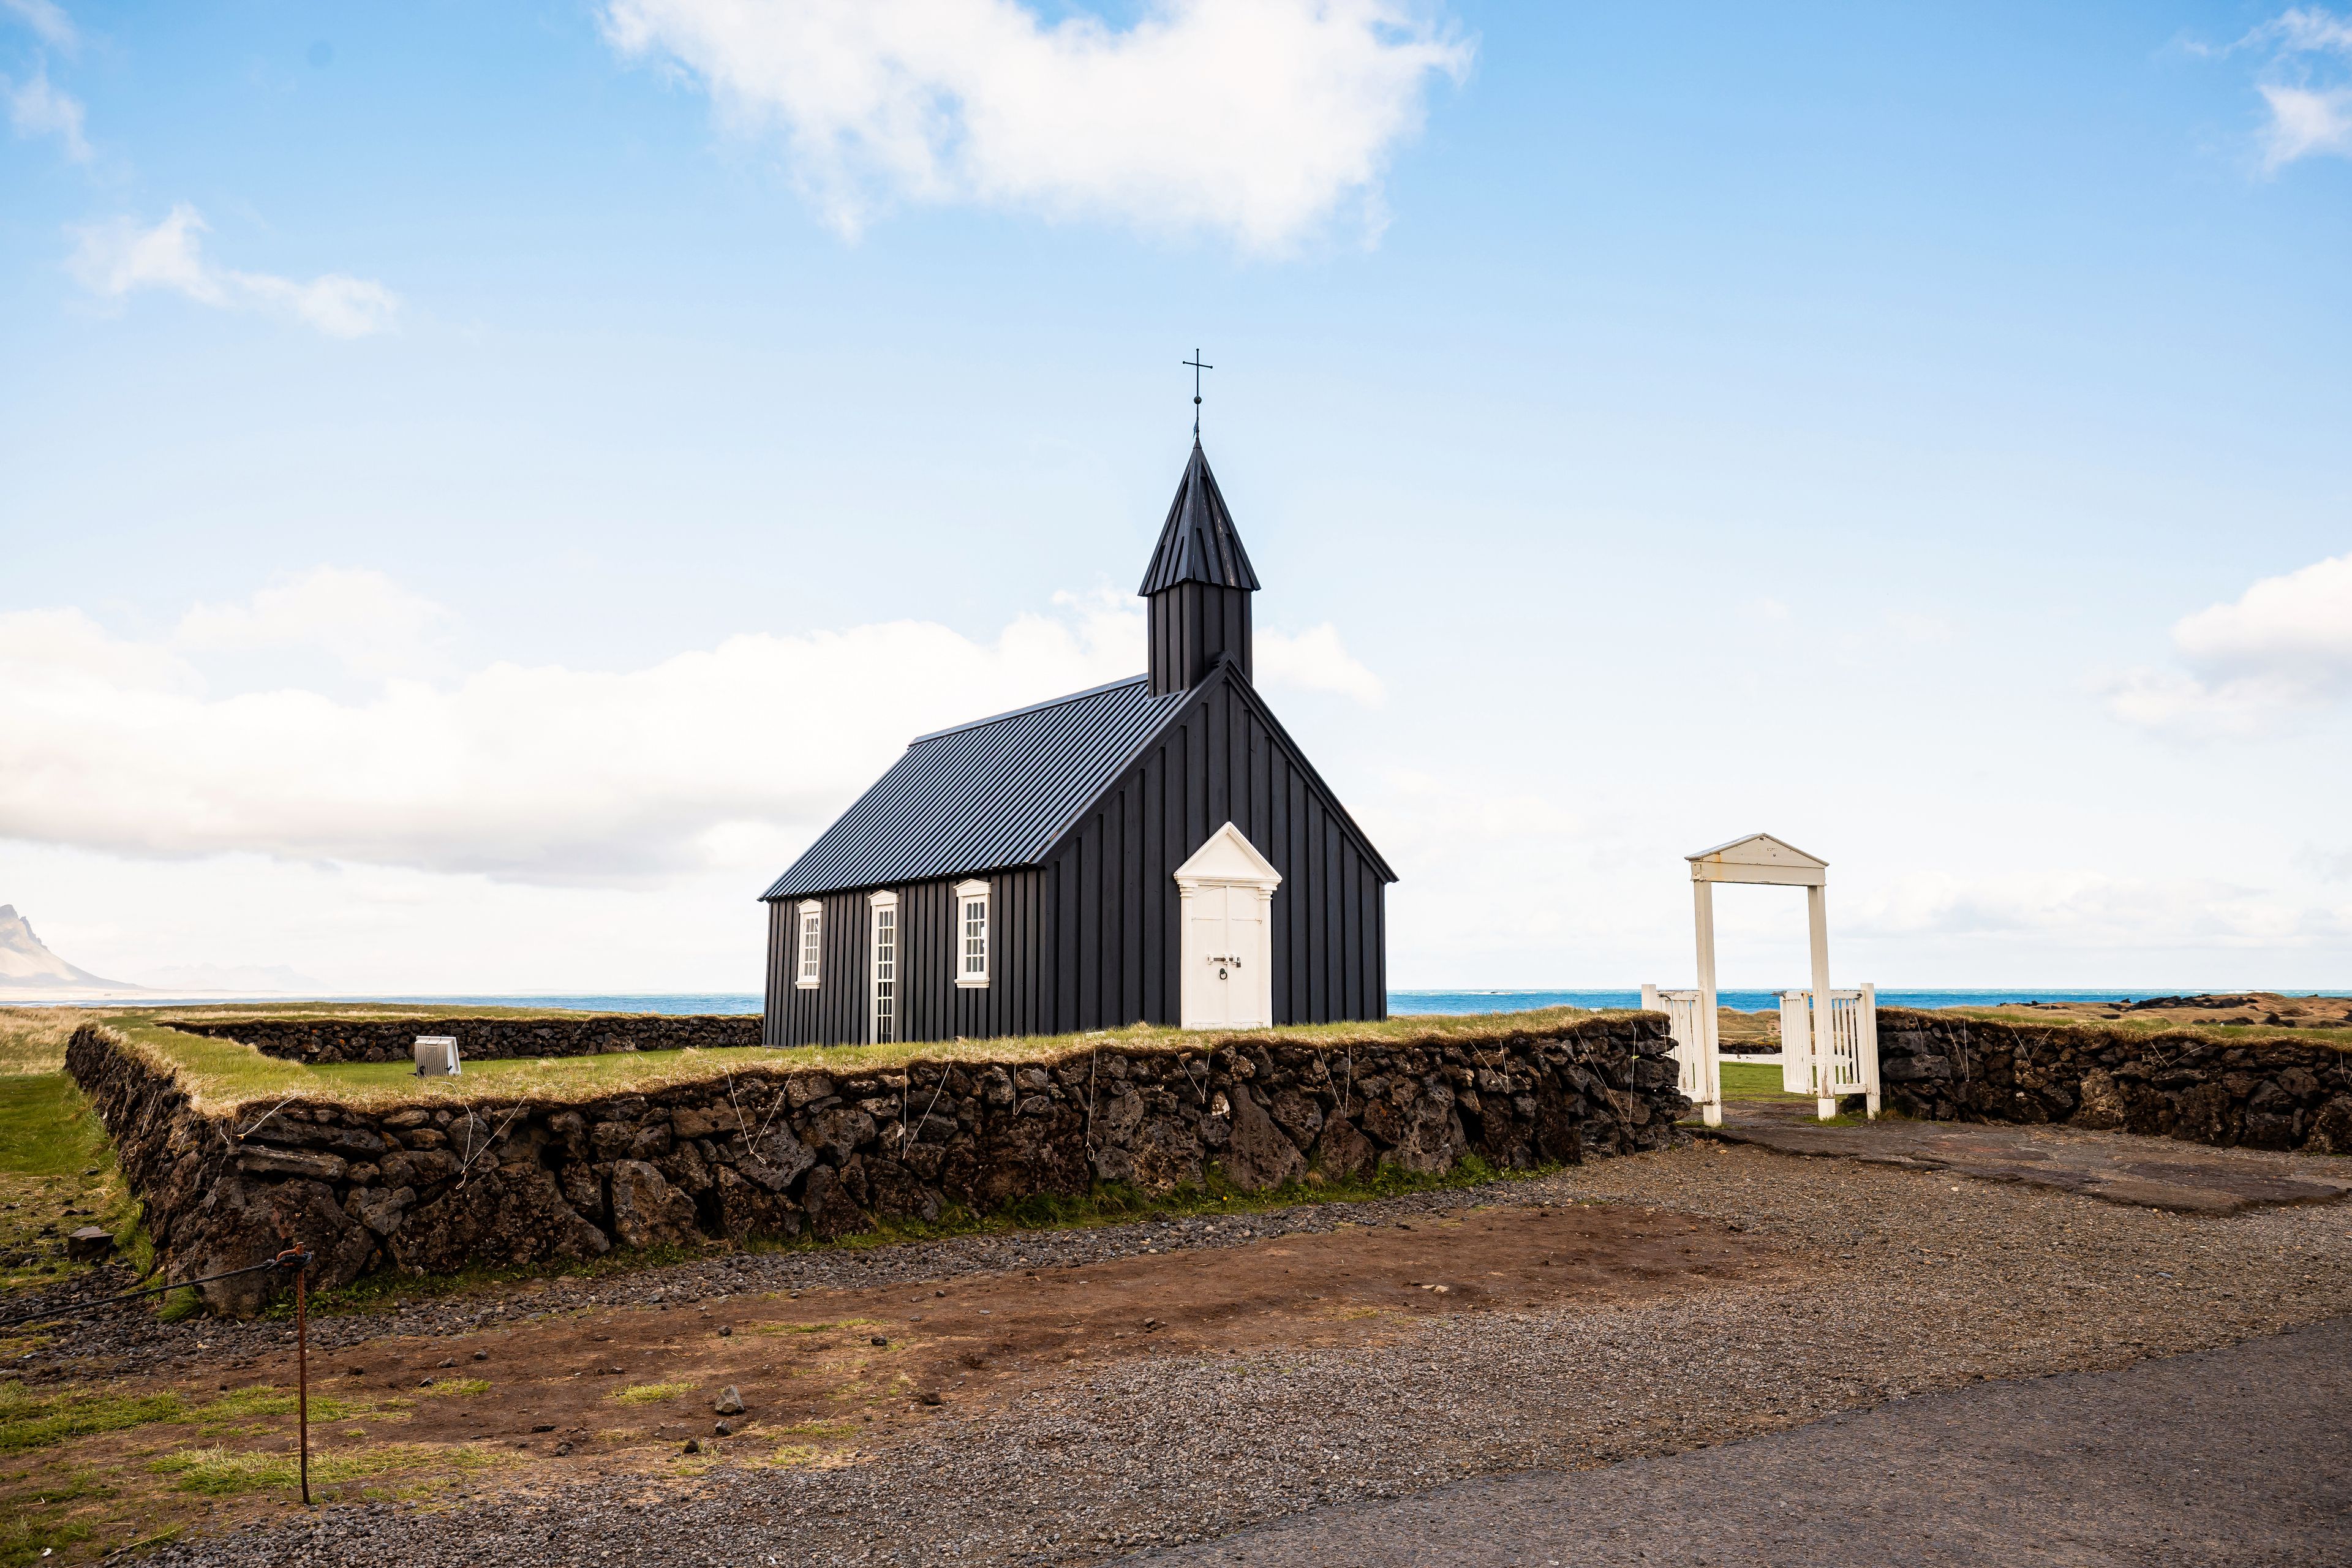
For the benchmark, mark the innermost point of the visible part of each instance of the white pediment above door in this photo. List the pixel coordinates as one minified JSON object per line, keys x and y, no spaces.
{"x":1228,"y":856}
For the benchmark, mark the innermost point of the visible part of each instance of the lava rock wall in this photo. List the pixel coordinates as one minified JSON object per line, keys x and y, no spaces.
{"x":2258,"y":1094}
{"x":431,"y":1187}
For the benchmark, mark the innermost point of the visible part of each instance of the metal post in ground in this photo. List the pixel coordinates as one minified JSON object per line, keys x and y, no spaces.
{"x":302,"y":1377}
{"x":297,"y":1259}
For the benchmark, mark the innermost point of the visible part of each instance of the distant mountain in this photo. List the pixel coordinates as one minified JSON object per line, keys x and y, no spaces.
{"x":244,"y":978}
{"x":27,"y":964}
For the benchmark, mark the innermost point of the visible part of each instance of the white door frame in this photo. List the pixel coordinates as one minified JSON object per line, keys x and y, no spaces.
{"x":1227,"y":859}
{"x":1815,"y":1060}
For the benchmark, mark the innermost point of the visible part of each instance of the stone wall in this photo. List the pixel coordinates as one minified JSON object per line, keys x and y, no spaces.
{"x":394,"y":1040}
{"x":430,"y":1187}
{"x":2262,"y":1094}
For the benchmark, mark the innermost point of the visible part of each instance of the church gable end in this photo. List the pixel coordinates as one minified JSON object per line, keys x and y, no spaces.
{"x":1223,"y":757}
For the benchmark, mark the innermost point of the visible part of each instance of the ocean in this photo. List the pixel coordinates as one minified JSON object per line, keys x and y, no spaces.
{"x":1400,"y":1003}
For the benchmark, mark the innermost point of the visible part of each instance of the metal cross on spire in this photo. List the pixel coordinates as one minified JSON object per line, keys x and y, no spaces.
{"x":1197,"y":368}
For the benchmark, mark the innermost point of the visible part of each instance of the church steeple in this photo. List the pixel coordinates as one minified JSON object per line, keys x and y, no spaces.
{"x":1198,"y":585}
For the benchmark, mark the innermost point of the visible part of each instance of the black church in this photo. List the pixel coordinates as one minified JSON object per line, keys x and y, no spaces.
{"x":1155,"y":850}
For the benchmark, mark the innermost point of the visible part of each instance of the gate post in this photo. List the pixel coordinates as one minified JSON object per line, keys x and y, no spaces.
{"x":1710,"y":1064}
{"x":1869,"y":1022}
{"x":1817,"y":920}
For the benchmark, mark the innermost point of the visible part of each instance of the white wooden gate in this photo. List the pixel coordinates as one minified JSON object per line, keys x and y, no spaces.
{"x":1849,"y":1046}
{"x":1697,"y":1052}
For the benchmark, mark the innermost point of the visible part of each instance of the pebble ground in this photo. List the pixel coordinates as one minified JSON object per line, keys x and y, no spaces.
{"x":2233,"y":1458}
{"x":1920,"y":1282}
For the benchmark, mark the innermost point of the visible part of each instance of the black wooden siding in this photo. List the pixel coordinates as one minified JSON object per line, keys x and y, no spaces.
{"x":1223,"y":759}
{"x":1191,"y":627}
{"x":1089,"y":938}
{"x":931,"y":1006}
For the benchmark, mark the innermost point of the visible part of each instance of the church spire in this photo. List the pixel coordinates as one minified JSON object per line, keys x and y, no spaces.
{"x":1198,"y":585}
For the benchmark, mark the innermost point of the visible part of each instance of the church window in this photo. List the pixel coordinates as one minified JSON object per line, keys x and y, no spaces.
{"x":885,"y":967}
{"x":812,"y":943}
{"x":972,"y":925}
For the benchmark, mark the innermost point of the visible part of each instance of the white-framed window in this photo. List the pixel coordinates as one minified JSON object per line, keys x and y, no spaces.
{"x":885,"y":1013}
{"x":971,"y":934}
{"x":811,"y":944}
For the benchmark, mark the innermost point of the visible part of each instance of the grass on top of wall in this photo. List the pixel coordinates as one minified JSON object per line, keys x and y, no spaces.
{"x":222,"y":1075}
{"x":2141,"y":1030}
{"x":353,"y":1012}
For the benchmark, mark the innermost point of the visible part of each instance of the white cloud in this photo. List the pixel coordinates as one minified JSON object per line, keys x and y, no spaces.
{"x":1314,"y":660}
{"x":712,"y":758}
{"x":2306,"y":29}
{"x":2090,"y":910}
{"x":2304,"y":121}
{"x":1255,"y":119}
{"x":2296,"y":629}
{"x":47,"y":19}
{"x":38,"y":109}
{"x":369,"y":623}
{"x":116,"y":258}
{"x":2282,"y":646}
{"x":2310,"y":106}
{"x":1912,"y":627}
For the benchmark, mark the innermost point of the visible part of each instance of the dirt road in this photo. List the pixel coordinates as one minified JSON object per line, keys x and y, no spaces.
{"x":2234,"y":1456}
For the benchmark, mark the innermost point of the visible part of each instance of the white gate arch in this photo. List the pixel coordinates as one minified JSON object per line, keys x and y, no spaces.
{"x":1826,"y":1050}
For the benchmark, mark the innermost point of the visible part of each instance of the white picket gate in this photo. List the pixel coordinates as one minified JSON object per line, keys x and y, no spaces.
{"x":1852,"y":1065}
{"x":1696,"y":1048}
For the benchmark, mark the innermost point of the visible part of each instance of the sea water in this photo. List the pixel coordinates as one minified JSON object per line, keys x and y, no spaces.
{"x":1406,"y":1002}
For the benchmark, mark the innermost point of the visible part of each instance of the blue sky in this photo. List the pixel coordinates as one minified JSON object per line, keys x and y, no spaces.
{"x":483,"y":485}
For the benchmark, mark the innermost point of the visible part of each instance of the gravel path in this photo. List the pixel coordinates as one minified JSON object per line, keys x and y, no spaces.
{"x":1920,"y":1283}
{"x":2232,"y":1455}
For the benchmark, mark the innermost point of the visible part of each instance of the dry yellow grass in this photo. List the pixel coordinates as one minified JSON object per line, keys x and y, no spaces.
{"x":223,"y":1076}
{"x":33,"y":1039}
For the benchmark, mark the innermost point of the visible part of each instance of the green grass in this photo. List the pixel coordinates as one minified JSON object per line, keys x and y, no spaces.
{"x":49,"y":1137}
{"x":46,"y":1127}
{"x":265,"y":1404}
{"x":812,"y":1328}
{"x":1747,"y":1080}
{"x":582,"y":1075}
{"x":651,"y":1393}
{"x":29,"y":1421}
{"x":455,"y":1388}
{"x":225,"y":1472}
{"x":25,"y":1540}
{"x":2147,"y":1024}
{"x":220,"y":1074}
{"x":223,"y":1075}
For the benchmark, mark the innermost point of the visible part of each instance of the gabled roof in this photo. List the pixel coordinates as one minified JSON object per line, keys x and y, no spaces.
{"x":997,"y":791}
{"x":1759,"y":857}
{"x":1198,"y":545}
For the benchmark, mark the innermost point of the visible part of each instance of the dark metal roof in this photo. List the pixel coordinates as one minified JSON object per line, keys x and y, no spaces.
{"x":998,"y":792}
{"x":1198,"y":544}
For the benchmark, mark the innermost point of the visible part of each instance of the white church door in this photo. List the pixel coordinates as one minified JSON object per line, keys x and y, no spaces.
{"x":1226,"y":954}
